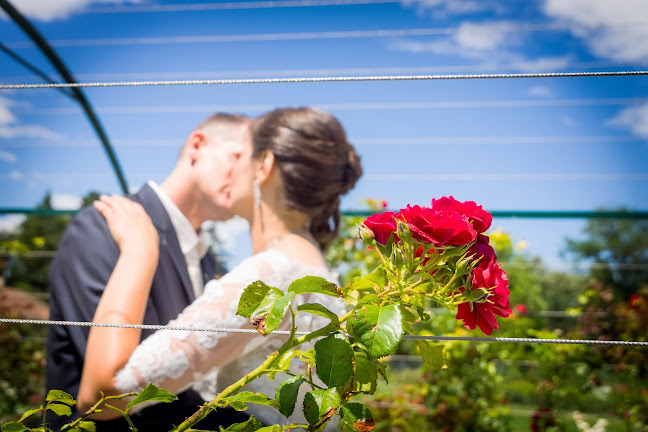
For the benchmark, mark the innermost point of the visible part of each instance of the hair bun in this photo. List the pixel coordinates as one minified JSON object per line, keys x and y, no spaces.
{"x":352,"y":171}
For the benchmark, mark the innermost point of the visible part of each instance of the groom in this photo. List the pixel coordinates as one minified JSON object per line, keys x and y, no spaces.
{"x":195,"y":191}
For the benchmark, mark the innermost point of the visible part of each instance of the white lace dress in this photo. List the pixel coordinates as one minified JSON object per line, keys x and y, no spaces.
{"x":210,"y":361}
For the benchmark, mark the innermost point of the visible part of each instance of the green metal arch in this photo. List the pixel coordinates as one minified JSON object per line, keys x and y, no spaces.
{"x":77,"y":93}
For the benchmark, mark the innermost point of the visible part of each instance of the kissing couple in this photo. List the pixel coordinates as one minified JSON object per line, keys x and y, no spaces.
{"x":139,"y":260}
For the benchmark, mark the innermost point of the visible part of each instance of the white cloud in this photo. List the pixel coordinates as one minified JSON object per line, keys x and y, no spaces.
{"x":542,"y":64}
{"x":8,"y":157}
{"x":66,"y":202}
{"x":15,"y":175}
{"x":443,"y":8}
{"x":9,"y":127}
{"x":50,"y":10}
{"x":10,"y":222}
{"x":634,"y":118}
{"x":6,"y":116}
{"x":616,"y":30}
{"x":472,"y":40}
{"x":540,"y":91}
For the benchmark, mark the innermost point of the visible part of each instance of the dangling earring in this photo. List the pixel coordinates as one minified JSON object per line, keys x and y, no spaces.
{"x":257,"y":194}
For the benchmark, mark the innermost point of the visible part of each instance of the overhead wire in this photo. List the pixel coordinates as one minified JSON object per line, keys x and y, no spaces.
{"x":328,"y":79}
{"x":285,"y":332}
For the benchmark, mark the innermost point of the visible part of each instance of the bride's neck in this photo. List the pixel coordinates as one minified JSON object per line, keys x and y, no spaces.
{"x":269,"y":225}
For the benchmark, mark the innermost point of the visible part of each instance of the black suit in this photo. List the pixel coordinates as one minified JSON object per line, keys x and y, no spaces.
{"x":84,"y":262}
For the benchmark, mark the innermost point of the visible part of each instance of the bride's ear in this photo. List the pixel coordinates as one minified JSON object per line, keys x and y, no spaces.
{"x":266,"y":167}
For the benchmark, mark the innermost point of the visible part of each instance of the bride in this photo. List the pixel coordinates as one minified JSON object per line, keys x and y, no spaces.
{"x":287,"y":184}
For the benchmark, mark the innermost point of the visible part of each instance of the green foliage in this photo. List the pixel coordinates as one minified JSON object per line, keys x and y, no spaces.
{"x":461,"y":386}
{"x":22,"y":364}
{"x":35,"y":234}
{"x":60,"y":403}
{"x":618,"y":243}
{"x":379,"y":328}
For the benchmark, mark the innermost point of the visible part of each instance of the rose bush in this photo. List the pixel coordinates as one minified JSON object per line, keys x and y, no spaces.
{"x":432,"y":230}
{"x":429,"y":257}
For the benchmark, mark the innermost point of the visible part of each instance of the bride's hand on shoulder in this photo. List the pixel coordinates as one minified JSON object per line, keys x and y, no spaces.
{"x":129,"y":224}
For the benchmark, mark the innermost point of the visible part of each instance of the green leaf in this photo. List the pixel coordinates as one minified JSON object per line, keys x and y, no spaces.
{"x":282,"y":363}
{"x":251,"y":298}
{"x":151,"y":393}
{"x":250,"y":425}
{"x":278,"y":311}
{"x":307,"y":357}
{"x":356,"y":416}
{"x":260,"y":315}
{"x":318,"y":309}
{"x":368,"y":298}
{"x":60,"y":396}
{"x":238,"y":405}
{"x":88,"y":426}
{"x":251,"y":397}
{"x":240,"y":400}
{"x":320,"y":405}
{"x":431,"y":353}
{"x":366,"y":374}
{"x":378,"y":277}
{"x":30,"y":412}
{"x":287,"y":394}
{"x":379,"y":328}
{"x":408,"y":316}
{"x":334,"y":360}
{"x":60,"y":409}
{"x":273,"y":428}
{"x":13,"y":427}
{"x":313,"y":284}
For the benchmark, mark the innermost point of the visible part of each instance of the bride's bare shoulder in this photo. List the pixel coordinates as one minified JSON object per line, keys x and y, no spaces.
{"x":302,"y":249}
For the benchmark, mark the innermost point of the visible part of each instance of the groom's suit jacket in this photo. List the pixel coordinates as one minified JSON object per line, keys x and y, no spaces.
{"x":84,"y":262}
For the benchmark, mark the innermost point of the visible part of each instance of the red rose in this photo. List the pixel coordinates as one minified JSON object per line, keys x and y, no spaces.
{"x":480,"y":218}
{"x":477,"y":315}
{"x":382,"y":225}
{"x":493,"y":278}
{"x":482,"y":315}
{"x":439,"y":228}
{"x":521,"y":309}
{"x":482,"y":251}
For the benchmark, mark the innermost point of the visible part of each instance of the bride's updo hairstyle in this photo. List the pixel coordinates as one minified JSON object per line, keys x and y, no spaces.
{"x":316,"y":162}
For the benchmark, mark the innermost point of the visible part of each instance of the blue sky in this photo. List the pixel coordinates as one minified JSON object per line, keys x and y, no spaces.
{"x":508,"y":144}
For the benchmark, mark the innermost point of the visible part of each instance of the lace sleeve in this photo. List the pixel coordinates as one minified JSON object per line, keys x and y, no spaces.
{"x":175,"y":360}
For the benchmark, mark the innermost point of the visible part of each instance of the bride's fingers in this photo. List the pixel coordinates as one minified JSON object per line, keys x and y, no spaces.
{"x":104,"y":206}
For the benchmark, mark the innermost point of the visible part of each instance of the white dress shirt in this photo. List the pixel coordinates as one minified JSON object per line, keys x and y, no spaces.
{"x":193,"y":248}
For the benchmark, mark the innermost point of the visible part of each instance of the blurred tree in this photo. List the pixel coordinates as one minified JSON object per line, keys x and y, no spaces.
{"x":28,"y":249}
{"x":620,"y":247}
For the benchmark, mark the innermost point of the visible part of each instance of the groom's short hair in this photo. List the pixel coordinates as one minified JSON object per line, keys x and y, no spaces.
{"x":219,"y":126}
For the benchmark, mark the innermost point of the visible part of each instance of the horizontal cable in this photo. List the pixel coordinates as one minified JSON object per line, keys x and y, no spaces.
{"x":328,"y":79}
{"x":549,"y":214}
{"x":285,"y":332}
{"x":401,"y":70}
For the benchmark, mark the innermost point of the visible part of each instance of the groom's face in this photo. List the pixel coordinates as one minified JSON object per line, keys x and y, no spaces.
{"x":215,"y":172}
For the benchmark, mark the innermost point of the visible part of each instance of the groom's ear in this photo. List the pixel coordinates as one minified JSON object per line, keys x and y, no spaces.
{"x":195,"y":143}
{"x":266,"y":166}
